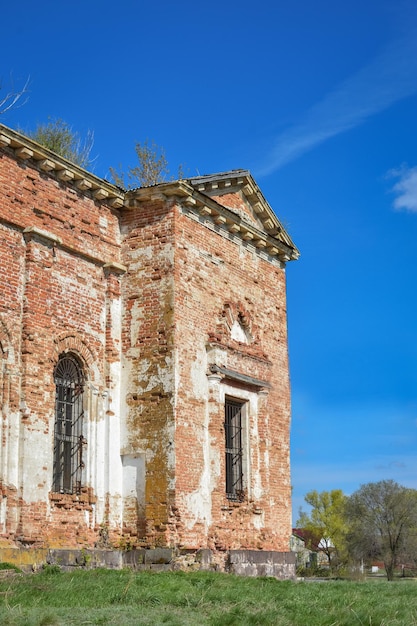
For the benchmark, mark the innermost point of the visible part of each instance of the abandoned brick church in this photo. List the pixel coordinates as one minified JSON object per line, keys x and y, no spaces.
{"x":144,"y":381}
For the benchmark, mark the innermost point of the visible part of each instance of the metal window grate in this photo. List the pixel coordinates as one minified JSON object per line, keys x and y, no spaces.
{"x":234,"y":451}
{"x":68,"y":435}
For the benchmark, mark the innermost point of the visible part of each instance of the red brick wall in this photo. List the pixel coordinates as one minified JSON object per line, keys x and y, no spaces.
{"x":53,"y":298}
{"x":212,"y":271}
{"x":148,"y":338}
{"x":183,"y":280}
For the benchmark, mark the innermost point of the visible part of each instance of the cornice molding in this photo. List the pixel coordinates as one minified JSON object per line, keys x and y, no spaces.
{"x":275,"y":242}
{"x":193,"y":194}
{"x":27,"y":150}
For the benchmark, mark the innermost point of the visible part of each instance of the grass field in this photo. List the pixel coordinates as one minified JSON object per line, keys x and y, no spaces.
{"x":129,"y":598}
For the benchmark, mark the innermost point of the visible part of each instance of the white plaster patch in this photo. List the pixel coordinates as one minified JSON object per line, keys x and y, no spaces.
{"x":170,"y":433}
{"x":134,"y":478}
{"x":237,"y":332}
{"x":3,"y":511}
{"x":199,"y":505}
{"x":102,"y":318}
{"x":149,"y":455}
{"x":199,"y":501}
{"x":10,"y":355}
{"x":96,"y":449}
{"x":259,"y":521}
{"x":257,"y":486}
{"x":137,"y":315}
{"x":10,"y":449}
{"x":199,"y":376}
{"x":266,"y":465}
{"x":164,"y":377}
{"x":254,"y":447}
{"x":35,"y":480}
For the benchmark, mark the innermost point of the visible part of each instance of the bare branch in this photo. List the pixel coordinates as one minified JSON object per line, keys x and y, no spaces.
{"x":14,"y":98}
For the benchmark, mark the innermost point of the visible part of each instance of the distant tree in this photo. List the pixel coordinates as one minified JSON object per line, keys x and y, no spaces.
{"x":59,"y":137}
{"x":327,"y":523}
{"x":13,"y":98}
{"x":383,"y":522}
{"x":152,"y":167}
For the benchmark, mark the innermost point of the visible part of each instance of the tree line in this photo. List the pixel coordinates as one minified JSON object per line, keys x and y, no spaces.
{"x":377,"y":523}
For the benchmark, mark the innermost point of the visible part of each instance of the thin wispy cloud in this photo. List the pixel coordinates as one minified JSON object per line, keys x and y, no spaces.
{"x":390,"y":77}
{"x":405,"y":189}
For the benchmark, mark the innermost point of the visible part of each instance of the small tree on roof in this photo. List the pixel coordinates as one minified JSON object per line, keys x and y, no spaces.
{"x":152,"y":167}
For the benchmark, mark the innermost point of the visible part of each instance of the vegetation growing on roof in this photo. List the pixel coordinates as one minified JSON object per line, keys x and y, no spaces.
{"x":58,"y":136}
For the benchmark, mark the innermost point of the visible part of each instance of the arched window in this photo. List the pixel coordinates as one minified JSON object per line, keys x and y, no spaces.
{"x":68,"y":432}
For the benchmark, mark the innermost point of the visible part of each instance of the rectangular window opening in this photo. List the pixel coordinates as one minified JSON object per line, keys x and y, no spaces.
{"x":233,"y":428}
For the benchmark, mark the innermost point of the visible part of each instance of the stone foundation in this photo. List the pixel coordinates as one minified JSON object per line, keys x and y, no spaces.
{"x":279,"y":565}
{"x":262,"y":563}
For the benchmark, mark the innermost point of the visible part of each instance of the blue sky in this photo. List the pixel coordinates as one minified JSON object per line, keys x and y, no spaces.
{"x":319,"y":100}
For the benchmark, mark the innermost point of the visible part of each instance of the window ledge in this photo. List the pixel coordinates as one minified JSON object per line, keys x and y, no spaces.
{"x":250,"y":381}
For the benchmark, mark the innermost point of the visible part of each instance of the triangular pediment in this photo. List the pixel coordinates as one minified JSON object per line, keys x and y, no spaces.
{"x":238,"y":192}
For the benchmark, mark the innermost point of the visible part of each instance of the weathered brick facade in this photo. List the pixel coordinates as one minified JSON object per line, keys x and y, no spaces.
{"x":169,"y":302}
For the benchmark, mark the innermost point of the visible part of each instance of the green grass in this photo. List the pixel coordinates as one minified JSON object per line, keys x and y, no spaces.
{"x":128,"y":598}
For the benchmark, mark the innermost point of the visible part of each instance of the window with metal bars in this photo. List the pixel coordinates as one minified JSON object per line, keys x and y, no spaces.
{"x":233,"y":428}
{"x":68,"y":433}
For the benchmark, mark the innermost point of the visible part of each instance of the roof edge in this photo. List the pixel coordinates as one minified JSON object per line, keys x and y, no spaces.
{"x":193,"y":192}
{"x":26,"y":149}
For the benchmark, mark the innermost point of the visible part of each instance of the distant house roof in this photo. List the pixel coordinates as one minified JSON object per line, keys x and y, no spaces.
{"x":311,"y":540}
